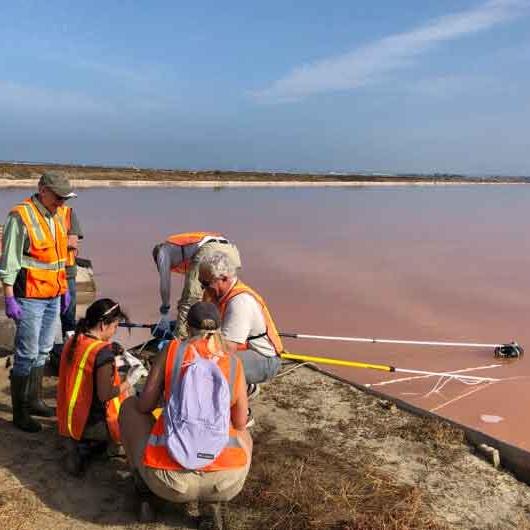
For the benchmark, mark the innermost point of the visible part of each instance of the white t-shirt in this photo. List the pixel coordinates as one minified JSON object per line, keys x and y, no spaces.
{"x":243,"y":318}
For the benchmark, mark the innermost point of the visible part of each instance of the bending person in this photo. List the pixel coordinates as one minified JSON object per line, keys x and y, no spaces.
{"x":90,"y":392}
{"x":247,"y":324}
{"x":182,"y":253}
{"x":169,"y":457}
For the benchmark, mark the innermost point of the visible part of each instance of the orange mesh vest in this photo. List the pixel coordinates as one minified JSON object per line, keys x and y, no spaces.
{"x":192,"y":238}
{"x":179,"y":353}
{"x":76,"y":389}
{"x":42,"y":274}
{"x":271,"y":332}
{"x":66,"y":213}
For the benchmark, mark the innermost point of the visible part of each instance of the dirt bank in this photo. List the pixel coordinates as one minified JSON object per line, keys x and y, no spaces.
{"x":326,"y":456}
{"x":80,"y":184}
{"x":12,"y":174}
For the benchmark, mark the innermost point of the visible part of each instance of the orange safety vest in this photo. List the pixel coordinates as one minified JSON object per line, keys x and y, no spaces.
{"x":178,"y":354}
{"x":66,"y":213}
{"x":42,"y":274}
{"x":271,"y":332}
{"x":192,"y":238}
{"x":76,"y":389}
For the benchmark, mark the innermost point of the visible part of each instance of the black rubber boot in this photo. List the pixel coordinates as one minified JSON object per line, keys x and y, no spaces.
{"x":37,"y":407}
{"x":20,"y":402}
{"x":145,"y":510}
{"x":211,"y":516}
{"x":73,"y":462}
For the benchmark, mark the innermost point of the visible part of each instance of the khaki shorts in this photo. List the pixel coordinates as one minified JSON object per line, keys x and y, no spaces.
{"x":187,"y":486}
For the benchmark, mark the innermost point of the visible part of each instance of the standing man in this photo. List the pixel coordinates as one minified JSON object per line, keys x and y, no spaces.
{"x":74,"y":232}
{"x":32,"y":271}
{"x":182,"y":253}
{"x":247,"y":325}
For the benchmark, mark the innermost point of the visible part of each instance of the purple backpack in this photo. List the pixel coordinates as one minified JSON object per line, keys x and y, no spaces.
{"x":197,"y":414}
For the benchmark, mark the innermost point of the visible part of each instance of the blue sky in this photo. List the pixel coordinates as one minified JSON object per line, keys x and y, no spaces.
{"x":380,"y":85}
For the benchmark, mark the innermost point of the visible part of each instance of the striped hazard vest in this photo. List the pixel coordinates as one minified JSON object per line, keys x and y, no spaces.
{"x":271,"y":331}
{"x":179,"y":354}
{"x":192,"y":238}
{"x":75,"y":390}
{"x":43,"y":265}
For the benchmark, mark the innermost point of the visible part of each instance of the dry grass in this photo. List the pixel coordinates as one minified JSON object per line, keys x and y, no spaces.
{"x":440,"y":433}
{"x":17,"y":509}
{"x":300,"y":486}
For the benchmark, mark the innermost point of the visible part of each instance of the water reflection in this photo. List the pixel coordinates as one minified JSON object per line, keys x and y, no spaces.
{"x":415,"y":263}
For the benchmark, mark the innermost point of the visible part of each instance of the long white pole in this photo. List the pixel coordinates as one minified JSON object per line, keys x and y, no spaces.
{"x":446,"y":374}
{"x":390,"y":341}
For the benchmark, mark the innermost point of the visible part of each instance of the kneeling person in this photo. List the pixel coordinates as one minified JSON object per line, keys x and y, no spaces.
{"x":198,"y":448}
{"x":90,"y":392}
{"x":247,"y":325}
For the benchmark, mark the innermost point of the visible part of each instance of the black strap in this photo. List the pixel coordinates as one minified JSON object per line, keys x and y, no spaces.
{"x":264,"y":334}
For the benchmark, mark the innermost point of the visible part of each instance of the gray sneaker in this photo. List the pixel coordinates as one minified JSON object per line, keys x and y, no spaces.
{"x":250,"y":419}
{"x":252,"y":390}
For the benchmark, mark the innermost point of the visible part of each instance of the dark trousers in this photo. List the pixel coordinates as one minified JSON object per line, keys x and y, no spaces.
{"x":68,"y":319}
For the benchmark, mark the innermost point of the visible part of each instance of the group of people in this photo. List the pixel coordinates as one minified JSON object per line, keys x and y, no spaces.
{"x":185,"y":434}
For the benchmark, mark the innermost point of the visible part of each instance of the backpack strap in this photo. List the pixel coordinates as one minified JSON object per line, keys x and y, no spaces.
{"x":231,"y":380}
{"x":177,"y":366}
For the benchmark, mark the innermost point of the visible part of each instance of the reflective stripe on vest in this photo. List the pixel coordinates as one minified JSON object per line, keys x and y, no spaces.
{"x":66,"y":213}
{"x":112,"y":410}
{"x":77,"y":384}
{"x":271,"y":331}
{"x":32,"y":263}
{"x":156,"y":454}
{"x":155,"y":439}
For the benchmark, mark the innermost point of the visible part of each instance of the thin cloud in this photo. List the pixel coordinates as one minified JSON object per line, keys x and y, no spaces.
{"x":450,"y":86}
{"x":14,"y":96}
{"x":27,"y":99}
{"x":366,"y":64}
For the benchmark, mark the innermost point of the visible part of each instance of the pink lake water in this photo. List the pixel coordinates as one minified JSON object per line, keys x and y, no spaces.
{"x":421,"y":263}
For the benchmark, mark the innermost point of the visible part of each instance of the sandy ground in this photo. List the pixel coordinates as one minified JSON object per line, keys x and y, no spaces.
{"x":326,"y":456}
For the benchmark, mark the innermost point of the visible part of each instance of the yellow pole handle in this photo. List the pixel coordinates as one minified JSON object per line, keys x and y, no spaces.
{"x":336,"y":362}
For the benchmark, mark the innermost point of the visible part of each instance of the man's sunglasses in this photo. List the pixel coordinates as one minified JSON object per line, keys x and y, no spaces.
{"x":205,"y":283}
{"x":57,"y":197}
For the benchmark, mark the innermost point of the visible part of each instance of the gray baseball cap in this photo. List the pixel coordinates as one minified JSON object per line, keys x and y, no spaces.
{"x":204,"y":315}
{"x":59,"y":184}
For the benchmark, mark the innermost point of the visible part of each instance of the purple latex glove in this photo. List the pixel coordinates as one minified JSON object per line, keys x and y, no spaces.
{"x":65,"y":302}
{"x":13,"y":309}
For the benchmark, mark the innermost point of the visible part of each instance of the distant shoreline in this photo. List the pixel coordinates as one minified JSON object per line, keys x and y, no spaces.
{"x":90,"y":183}
{"x":20,"y":175}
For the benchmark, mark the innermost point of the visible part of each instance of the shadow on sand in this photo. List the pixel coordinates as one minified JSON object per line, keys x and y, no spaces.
{"x":31,"y":471}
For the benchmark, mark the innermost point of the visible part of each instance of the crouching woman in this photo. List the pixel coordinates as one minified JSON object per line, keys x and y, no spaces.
{"x":90,"y":392}
{"x":199,"y":447}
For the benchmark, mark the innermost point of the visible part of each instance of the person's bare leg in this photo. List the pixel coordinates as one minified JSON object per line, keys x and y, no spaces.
{"x":134,"y":429}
